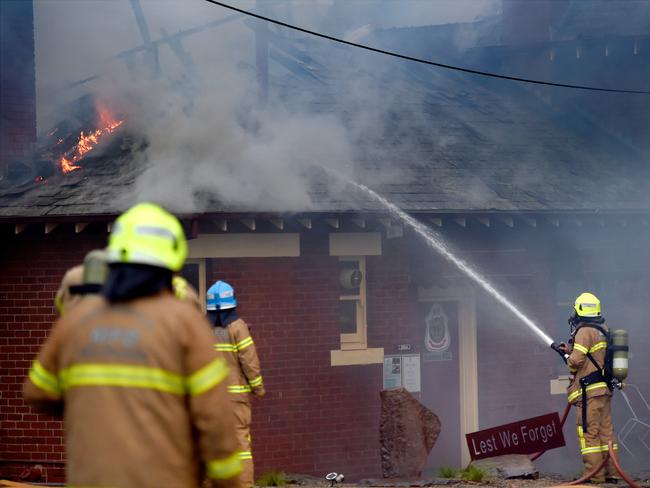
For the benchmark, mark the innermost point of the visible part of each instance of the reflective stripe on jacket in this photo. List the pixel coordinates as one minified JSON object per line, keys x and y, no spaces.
{"x":145,"y":395}
{"x":586,"y":340}
{"x":237,"y":346}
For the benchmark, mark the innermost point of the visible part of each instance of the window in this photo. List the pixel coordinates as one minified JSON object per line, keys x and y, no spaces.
{"x":352,"y":302}
{"x":194,"y":273}
{"x":352,"y":249}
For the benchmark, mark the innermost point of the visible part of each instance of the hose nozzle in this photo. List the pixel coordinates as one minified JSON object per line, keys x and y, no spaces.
{"x":560,"y":351}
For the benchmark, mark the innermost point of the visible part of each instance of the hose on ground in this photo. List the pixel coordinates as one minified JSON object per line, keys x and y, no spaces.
{"x":612,"y":454}
{"x":591,"y":473}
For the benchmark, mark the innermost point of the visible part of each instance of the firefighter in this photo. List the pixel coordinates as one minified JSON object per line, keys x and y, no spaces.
{"x":184,"y":291}
{"x":64,"y":300}
{"x":588,"y":389}
{"x":233,"y":339}
{"x":83,"y":279}
{"x":145,"y":395}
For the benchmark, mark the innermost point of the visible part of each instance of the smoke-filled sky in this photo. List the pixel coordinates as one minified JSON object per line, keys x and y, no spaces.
{"x":78,"y":39}
{"x":205,"y":132}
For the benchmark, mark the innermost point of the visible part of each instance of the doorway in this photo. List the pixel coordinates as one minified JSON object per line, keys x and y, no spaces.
{"x":447,"y":321}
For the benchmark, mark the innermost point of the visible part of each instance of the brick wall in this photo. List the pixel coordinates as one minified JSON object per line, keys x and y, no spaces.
{"x":32,"y":266}
{"x":17,"y":81}
{"x":315,"y":418}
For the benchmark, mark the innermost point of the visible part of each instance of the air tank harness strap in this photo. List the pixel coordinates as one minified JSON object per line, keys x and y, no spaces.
{"x":590,"y":379}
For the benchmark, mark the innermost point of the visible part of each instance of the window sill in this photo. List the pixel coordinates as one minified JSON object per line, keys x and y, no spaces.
{"x":357,"y":357}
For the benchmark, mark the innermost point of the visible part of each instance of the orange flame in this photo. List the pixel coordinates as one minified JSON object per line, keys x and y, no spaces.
{"x":88,"y":142}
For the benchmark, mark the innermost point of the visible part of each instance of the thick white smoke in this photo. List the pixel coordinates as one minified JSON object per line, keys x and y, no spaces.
{"x":207,"y":137}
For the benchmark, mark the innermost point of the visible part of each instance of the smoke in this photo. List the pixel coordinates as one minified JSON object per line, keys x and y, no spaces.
{"x":245,"y":160}
{"x":207,"y":137}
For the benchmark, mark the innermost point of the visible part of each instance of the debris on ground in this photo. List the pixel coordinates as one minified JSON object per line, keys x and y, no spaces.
{"x":507,"y":467}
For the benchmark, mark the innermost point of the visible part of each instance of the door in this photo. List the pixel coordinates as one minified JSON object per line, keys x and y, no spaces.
{"x":446,"y":318}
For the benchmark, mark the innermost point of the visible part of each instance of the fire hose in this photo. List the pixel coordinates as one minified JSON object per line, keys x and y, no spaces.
{"x":611,"y":454}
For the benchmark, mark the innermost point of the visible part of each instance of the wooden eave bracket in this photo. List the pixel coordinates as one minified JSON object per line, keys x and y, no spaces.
{"x":437,"y":221}
{"x":305,"y":222}
{"x":79,"y":227}
{"x":359,"y":222}
{"x":277,"y":223}
{"x":20,"y":228}
{"x":222,"y":224}
{"x":49,"y":228}
{"x":249,"y":223}
{"x":333,"y":222}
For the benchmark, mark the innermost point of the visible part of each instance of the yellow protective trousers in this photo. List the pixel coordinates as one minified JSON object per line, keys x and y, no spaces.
{"x":595,"y":438}
{"x":242,"y":412}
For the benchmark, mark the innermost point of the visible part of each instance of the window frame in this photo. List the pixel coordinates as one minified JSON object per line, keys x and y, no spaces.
{"x":359,"y":339}
{"x":202,"y":279}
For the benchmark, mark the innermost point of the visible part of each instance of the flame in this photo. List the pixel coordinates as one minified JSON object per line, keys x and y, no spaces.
{"x":87,"y":142}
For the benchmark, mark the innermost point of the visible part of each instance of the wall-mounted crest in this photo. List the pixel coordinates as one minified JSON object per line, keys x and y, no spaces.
{"x":436,"y":337}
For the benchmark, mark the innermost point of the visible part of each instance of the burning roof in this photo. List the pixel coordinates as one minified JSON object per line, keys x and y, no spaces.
{"x":68,"y":143}
{"x":440,"y":143}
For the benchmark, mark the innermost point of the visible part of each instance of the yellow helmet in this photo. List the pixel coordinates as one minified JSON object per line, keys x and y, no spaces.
{"x":96,"y":267}
{"x":148,"y":234}
{"x":184,"y":291}
{"x":587,"y":305}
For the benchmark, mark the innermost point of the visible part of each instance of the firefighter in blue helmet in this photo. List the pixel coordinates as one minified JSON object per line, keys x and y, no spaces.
{"x":233,"y":339}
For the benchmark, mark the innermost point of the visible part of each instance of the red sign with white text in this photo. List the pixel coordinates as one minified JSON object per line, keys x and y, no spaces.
{"x":523,"y":437}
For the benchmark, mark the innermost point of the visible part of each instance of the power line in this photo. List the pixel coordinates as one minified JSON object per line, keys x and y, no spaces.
{"x":420,"y":60}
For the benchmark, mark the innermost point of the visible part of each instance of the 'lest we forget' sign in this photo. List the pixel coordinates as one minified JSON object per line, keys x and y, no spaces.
{"x":524,"y":437}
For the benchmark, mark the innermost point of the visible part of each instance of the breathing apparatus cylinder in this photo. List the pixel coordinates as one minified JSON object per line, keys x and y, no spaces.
{"x":620,"y":354}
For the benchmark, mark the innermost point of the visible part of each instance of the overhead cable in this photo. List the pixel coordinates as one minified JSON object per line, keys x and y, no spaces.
{"x":420,"y":60}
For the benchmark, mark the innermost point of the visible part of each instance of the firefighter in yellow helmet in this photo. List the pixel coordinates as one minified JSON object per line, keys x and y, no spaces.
{"x":233,"y":339}
{"x":588,"y":389}
{"x":184,"y":291}
{"x":145,"y":395}
{"x":81,"y":280}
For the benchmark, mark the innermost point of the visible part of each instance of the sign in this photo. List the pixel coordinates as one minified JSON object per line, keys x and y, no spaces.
{"x":430,"y":357}
{"x":402,"y":370}
{"x":411,"y":372}
{"x":392,"y":371}
{"x":524,"y":437}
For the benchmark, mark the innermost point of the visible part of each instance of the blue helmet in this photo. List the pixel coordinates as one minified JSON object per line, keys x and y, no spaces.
{"x":221,"y":296}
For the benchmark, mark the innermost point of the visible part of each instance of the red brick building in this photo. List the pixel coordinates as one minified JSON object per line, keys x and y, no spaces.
{"x":542,"y":204}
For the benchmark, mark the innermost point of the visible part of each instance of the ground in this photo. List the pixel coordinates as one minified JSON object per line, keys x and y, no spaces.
{"x":544,"y":482}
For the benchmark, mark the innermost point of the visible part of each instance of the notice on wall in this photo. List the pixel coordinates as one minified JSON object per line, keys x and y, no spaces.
{"x":411,"y":372}
{"x":402,"y":370}
{"x":524,"y":437}
{"x":392,"y":372}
